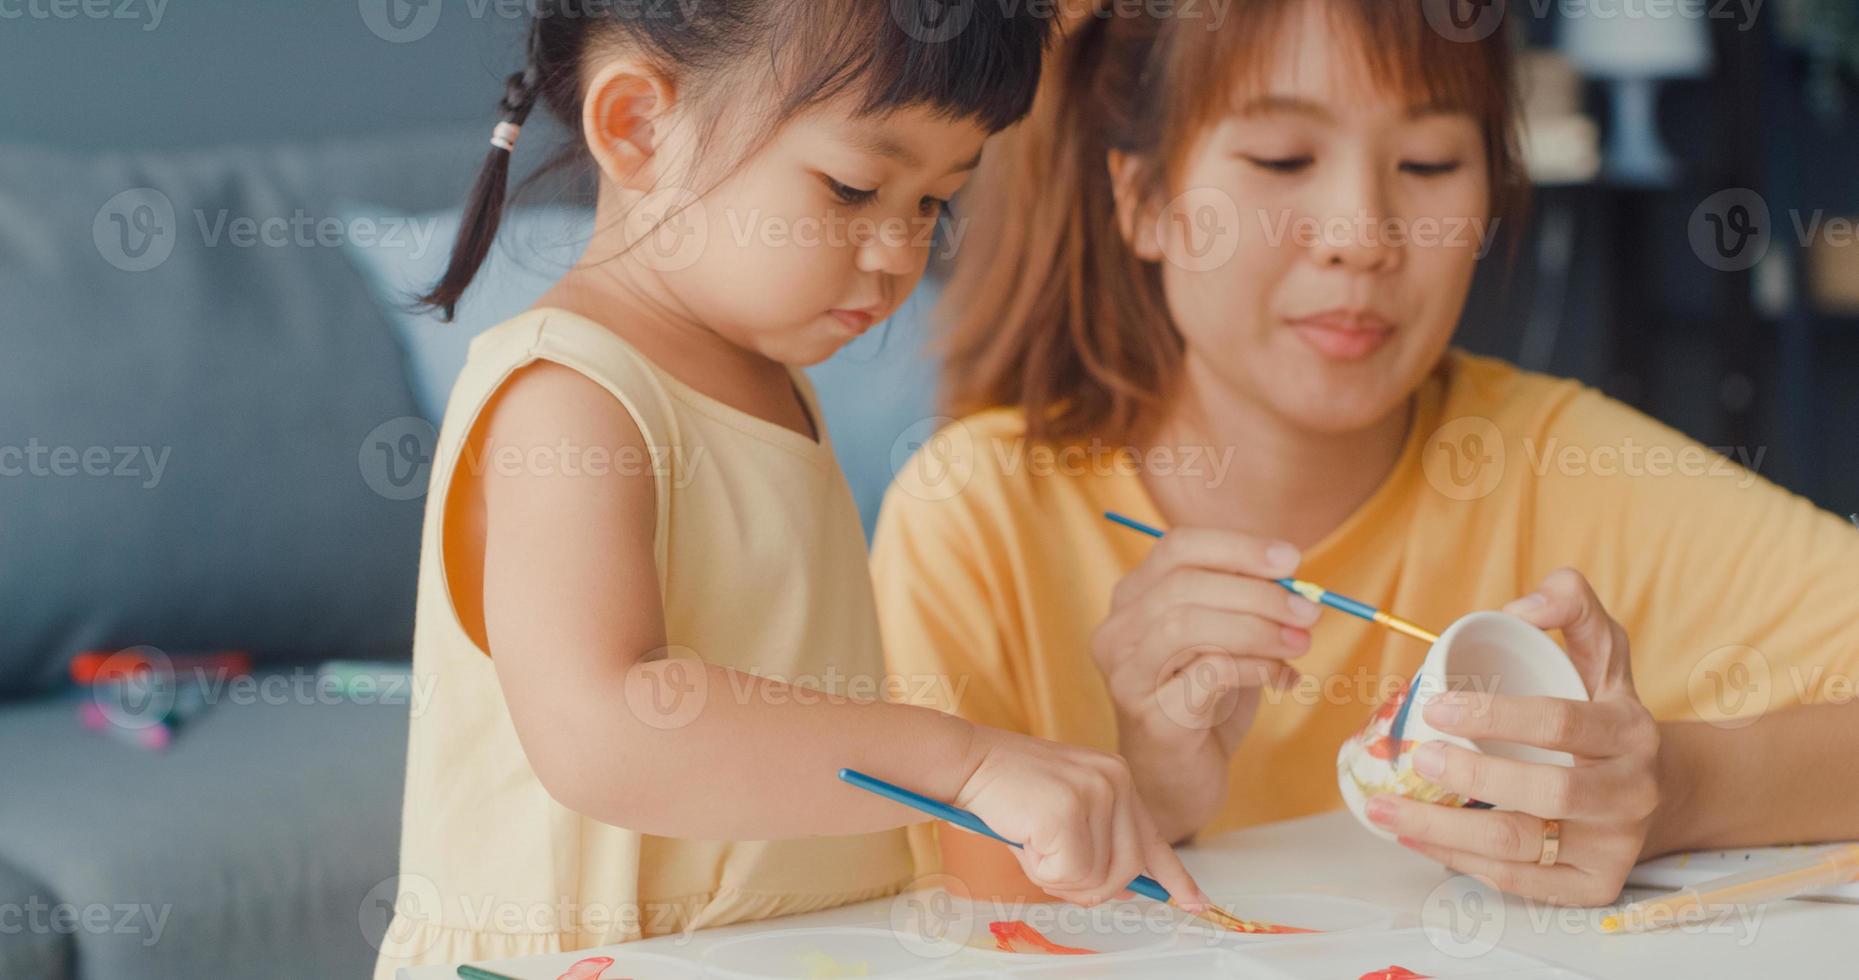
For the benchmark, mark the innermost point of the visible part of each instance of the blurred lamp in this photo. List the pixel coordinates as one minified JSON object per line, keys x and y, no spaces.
{"x":1633,"y":46}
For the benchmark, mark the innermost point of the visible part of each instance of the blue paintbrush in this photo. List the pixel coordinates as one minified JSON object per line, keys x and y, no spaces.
{"x":1143,"y":885}
{"x":1313,"y":592}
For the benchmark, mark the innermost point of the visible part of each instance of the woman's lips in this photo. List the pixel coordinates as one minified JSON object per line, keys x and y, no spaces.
{"x":1343,"y":335}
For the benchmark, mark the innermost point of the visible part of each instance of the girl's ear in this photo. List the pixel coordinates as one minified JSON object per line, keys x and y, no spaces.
{"x":1136,"y":220}
{"x":625,"y":116}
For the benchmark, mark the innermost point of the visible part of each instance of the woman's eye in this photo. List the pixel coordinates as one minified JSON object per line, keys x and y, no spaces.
{"x":1424,"y":169}
{"x":933,"y":205}
{"x":851,"y":196}
{"x":1280,"y":165}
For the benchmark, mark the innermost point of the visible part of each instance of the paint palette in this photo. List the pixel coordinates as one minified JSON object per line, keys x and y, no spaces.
{"x":1324,"y":914}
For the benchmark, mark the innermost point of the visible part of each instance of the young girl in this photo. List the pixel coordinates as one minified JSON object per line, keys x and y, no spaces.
{"x":643,"y":592}
{"x":1213,"y":287}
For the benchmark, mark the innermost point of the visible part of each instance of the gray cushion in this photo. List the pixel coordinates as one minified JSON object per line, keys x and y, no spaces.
{"x":35,"y":936}
{"x":258,"y":835}
{"x":184,"y":406}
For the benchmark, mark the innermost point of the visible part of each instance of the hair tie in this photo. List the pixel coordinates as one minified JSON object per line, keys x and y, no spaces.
{"x":504,"y":136}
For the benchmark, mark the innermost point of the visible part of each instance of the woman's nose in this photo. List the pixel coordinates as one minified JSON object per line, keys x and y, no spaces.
{"x":1355,"y":230}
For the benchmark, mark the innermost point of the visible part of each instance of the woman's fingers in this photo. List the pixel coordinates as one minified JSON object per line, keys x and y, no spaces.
{"x":1214,"y":550}
{"x":1558,"y":884}
{"x":1546,"y":790}
{"x":1596,"y":643}
{"x":1497,"y":834}
{"x":1591,"y":729}
{"x":1200,"y":695}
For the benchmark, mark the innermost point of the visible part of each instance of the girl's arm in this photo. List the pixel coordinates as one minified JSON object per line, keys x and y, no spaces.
{"x":675,"y":747}
{"x":1774,"y":781}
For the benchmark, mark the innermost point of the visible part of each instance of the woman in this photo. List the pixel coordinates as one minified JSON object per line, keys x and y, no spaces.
{"x":1212,"y":285}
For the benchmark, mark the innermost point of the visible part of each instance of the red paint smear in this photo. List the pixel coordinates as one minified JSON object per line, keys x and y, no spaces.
{"x":589,"y":969}
{"x":1394,"y":973}
{"x":1252,"y":928}
{"x":1018,"y":937}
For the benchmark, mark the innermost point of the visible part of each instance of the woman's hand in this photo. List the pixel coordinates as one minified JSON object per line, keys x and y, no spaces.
{"x":1085,"y":832}
{"x":1193,"y":634}
{"x":1604,"y":803}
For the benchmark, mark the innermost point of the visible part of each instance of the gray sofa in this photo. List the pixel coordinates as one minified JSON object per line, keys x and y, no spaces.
{"x":239,"y":379}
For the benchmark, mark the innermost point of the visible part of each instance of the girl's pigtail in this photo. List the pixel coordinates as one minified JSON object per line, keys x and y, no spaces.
{"x":484,"y":209}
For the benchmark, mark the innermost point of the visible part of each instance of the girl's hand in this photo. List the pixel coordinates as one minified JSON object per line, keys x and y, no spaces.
{"x":1193,"y":634}
{"x":1085,"y":833}
{"x":1604,"y":803}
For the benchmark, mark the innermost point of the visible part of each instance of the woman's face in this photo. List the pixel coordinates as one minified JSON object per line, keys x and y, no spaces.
{"x":1319,"y":243}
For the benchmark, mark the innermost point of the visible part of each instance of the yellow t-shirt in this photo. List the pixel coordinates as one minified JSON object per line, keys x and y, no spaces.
{"x":761,"y":563}
{"x":993,"y":566}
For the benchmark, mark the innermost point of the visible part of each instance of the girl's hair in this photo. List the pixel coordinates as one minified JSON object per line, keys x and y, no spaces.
{"x":767,"y":60}
{"x":1052,"y":312}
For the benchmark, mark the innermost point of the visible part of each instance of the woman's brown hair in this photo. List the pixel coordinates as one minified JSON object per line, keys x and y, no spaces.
{"x":1051,"y":311}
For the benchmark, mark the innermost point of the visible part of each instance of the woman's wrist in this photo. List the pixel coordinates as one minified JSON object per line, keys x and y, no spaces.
{"x":1682,"y":819}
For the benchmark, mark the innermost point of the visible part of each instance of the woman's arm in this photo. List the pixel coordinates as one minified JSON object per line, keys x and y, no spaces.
{"x":1775,"y":780}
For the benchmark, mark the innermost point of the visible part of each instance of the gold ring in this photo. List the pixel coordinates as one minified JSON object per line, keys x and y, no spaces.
{"x":1552,"y":843}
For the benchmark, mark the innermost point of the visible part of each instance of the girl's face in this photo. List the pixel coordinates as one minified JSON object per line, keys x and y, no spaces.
{"x":1359,"y":221}
{"x":822,"y":233}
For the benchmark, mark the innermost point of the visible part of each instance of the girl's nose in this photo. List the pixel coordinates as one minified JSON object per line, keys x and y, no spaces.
{"x":889,"y":249}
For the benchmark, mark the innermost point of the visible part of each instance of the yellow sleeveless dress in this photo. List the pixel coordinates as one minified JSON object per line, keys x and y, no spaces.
{"x":762,"y":566}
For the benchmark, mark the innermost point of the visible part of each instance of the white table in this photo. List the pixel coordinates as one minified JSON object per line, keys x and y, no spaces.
{"x":1331,"y":854}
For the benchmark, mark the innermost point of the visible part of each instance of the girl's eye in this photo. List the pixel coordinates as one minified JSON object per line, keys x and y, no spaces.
{"x":850,"y":196}
{"x":933,"y":205}
{"x":1424,"y":169}
{"x":1280,"y":165}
